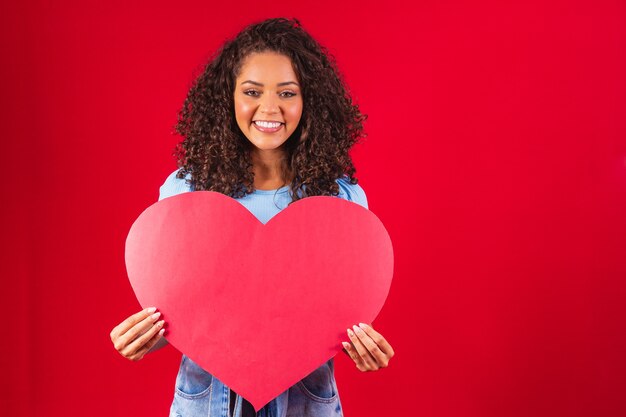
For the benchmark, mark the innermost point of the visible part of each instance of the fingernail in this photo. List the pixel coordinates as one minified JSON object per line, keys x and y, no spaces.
{"x":151,"y":310}
{"x":357,"y":329}
{"x":363,"y":326}
{"x":161,"y":332}
{"x":155,"y":316}
{"x":350,"y":333}
{"x":161,"y":323}
{"x":346,"y":346}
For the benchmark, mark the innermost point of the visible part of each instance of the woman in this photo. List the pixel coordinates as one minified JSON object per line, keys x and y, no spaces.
{"x":267,"y":123}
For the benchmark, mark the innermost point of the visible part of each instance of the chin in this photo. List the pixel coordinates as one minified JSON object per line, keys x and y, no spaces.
{"x":265,"y":145}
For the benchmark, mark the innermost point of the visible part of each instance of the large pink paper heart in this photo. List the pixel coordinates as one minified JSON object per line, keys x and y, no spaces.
{"x":259,"y":306}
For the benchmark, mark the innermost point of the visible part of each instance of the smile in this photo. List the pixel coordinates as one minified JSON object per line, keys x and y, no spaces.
{"x":265,"y":126}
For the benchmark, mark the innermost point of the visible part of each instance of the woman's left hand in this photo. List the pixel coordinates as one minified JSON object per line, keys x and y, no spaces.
{"x":368,"y":349}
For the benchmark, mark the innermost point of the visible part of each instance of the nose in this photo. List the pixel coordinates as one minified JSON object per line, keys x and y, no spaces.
{"x":269,"y":104}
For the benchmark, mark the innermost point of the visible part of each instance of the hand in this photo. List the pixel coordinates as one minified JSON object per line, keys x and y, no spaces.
{"x":368,"y":349}
{"x":136,"y":335}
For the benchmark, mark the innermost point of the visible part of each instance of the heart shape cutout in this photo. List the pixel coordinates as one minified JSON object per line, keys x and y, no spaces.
{"x":259,"y":306}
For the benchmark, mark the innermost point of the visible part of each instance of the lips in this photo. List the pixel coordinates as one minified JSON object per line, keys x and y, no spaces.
{"x":267,"y":126}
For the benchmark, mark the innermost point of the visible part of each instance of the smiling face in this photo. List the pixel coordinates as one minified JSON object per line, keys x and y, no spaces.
{"x":268,"y":100}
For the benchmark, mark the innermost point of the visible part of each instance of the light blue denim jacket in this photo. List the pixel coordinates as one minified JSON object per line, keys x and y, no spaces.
{"x":198,"y":393}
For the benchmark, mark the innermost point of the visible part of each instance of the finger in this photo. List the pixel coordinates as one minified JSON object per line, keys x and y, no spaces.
{"x":141,"y":341}
{"x":123,"y":327}
{"x":370,"y":345}
{"x":379,"y":356}
{"x":155,"y":339}
{"x":349,"y":350}
{"x":346,"y":347}
{"x":378,"y":339}
{"x":368,"y":361}
{"x":146,"y":347}
{"x":144,"y":350}
{"x":137,"y":330}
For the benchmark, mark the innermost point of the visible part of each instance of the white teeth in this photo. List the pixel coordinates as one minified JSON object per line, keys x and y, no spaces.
{"x":268,"y":125}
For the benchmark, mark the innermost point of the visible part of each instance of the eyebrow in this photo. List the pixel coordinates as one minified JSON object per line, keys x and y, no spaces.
{"x":279,"y":84}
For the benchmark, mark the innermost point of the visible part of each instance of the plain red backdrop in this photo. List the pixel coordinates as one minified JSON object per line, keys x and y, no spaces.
{"x":496,"y":158}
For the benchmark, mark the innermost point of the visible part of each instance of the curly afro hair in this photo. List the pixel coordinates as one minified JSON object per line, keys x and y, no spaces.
{"x":215,"y":152}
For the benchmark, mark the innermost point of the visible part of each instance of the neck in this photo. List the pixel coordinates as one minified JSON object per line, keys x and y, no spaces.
{"x":268,"y":166}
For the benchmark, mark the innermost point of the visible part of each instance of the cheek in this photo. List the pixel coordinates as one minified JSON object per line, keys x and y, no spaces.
{"x":295,"y":112}
{"x":243,"y":111}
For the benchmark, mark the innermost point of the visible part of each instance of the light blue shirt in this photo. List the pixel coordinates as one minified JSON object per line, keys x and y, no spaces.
{"x":265,"y":204}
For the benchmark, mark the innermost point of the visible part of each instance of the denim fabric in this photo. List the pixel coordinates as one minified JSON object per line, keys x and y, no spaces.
{"x":198,"y":393}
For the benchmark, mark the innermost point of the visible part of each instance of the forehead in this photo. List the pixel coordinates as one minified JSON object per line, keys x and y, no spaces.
{"x":268,"y":66}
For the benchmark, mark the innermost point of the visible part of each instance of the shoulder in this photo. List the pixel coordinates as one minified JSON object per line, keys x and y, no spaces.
{"x":173,"y":186}
{"x":351,"y":192}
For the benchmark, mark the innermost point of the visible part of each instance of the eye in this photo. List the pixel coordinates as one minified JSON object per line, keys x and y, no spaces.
{"x":287,"y":94}
{"x":252,"y":93}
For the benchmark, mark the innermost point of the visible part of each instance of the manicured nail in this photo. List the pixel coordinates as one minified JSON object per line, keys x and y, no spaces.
{"x":161,"y":323}
{"x":150,"y":310}
{"x":350,"y":333}
{"x":357,"y":329}
{"x":346,"y":346}
{"x":161,"y":332}
{"x":155,"y":316}
{"x":363,"y":326}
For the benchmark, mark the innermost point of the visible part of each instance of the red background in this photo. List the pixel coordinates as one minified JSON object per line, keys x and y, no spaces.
{"x":496,"y":158}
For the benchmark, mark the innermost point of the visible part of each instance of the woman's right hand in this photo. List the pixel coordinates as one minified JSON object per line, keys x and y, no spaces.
{"x":136,"y":335}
